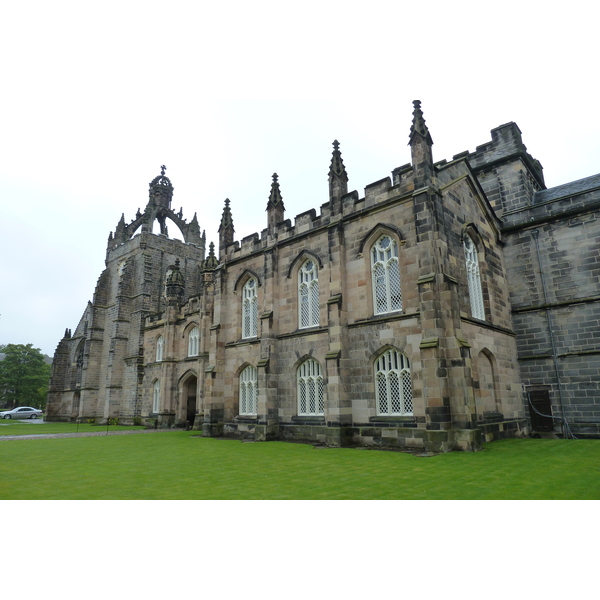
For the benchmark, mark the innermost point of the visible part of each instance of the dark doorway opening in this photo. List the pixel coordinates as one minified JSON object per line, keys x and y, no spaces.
{"x":540,"y":410}
{"x":190,"y":392}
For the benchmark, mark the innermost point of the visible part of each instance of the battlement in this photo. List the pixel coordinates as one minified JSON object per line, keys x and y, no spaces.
{"x":311,"y":220}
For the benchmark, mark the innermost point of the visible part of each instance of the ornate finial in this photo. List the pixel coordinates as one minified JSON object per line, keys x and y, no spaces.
{"x":175,"y":285}
{"x":418,"y":124}
{"x":275,"y":195}
{"x":211,"y":262}
{"x":226,"y":218}
{"x":162,"y":170}
{"x":337,"y":164}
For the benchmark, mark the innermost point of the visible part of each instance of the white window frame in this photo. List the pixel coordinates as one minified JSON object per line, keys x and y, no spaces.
{"x":308,"y":294}
{"x":156,"y":397}
{"x":473,"y":278}
{"x":311,"y":389}
{"x":249,"y":391}
{"x":160,"y":348}
{"x":250,"y":309}
{"x":194,"y":342}
{"x":393,"y":384}
{"x":385,"y":273}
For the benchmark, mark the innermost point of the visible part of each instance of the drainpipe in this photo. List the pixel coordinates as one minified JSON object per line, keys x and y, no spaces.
{"x":535,"y":233}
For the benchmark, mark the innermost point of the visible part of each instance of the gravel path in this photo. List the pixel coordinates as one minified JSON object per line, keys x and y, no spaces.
{"x":46,"y":436}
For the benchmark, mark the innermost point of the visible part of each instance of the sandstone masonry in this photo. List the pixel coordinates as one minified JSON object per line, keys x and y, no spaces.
{"x":454,"y":303}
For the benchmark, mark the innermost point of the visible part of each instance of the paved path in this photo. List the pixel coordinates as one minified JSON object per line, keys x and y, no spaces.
{"x":45,"y":436}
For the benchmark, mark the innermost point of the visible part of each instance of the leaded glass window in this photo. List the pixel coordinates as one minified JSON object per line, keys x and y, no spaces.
{"x":248,"y":390}
{"x":311,"y":389}
{"x":393,"y":386}
{"x":250,"y":309}
{"x":194,"y":342}
{"x":160,"y":347}
{"x":156,"y":397}
{"x":308,"y":294}
{"x":387,"y":296}
{"x":474,"y":279}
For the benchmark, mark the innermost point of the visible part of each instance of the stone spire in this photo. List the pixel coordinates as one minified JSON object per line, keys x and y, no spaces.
{"x":275,"y":208}
{"x":338,"y":178}
{"x":193,"y":231}
{"x":226,"y":229}
{"x":420,"y":146}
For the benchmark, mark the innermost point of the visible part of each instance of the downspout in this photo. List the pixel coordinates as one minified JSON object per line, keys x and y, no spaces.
{"x":535,"y":233}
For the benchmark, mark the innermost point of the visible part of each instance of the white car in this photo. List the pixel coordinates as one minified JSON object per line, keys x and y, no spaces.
{"x":21,"y":412}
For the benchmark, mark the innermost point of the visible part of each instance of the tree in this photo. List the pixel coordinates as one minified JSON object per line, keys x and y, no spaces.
{"x":24,"y":376}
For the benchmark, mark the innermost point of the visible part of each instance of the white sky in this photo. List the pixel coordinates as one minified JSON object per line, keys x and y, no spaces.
{"x":96,"y":97}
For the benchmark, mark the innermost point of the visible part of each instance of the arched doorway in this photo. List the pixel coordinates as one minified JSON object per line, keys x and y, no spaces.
{"x":190,"y":387}
{"x":486,"y":398}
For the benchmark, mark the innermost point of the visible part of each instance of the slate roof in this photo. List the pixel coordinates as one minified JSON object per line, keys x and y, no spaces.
{"x":568,"y":189}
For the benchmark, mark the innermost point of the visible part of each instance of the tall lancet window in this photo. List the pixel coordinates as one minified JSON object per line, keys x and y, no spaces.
{"x":250,"y":309}
{"x":311,"y":389}
{"x":308,"y":294}
{"x":160,"y":347}
{"x":194,"y":342}
{"x":387,"y":296}
{"x":474,"y":279}
{"x":248,"y":390}
{"x":156,"y":397}
{"x":393,"y":386}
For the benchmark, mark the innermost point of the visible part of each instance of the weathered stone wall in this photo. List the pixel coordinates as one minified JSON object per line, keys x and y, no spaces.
{"x":540,"y":296}
{"x":553,"y":264}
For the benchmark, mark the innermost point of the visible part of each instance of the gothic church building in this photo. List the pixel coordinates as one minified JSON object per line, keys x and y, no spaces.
{"x":454,"y":303}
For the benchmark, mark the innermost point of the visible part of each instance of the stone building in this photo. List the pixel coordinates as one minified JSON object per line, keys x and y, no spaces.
{"x":455,"y":302}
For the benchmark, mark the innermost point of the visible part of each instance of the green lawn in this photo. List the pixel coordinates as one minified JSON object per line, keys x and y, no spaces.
{"x":179,"y":465}
{"x":34,"y":427}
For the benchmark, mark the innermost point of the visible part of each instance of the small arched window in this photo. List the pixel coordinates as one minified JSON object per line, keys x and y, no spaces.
{"x":311,"y":389}
{"x":393,"y":386}
{"x":248,"y":391}
{"x":194,"y":342}
{"x":160,"y":347}
{"x":156,"y":397}
{"x":473,"y":279}
{"x":385,"y":269}
{"x":308,"y":294}
{"x":250,"y":309}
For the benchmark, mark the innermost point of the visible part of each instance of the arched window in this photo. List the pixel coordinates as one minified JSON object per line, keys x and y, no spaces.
{"x":393,"y":387}
{"x":474,"y":279}
{"x":248,"y":390}
{"x":250,"y":309}
{"x":194,"y":342}
{"x":156,"y":397}
{"x":385,"y":269}
{"x":311,"y":397}
{"x":160,"y":347}
{"x":308,"y":294}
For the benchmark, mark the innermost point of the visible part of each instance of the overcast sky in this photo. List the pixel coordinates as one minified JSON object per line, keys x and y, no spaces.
{"x":96,"y":97}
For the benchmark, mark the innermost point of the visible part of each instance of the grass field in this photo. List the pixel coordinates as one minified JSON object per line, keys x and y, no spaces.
{"x":181,"y":465}
{"x":33,"y":427}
